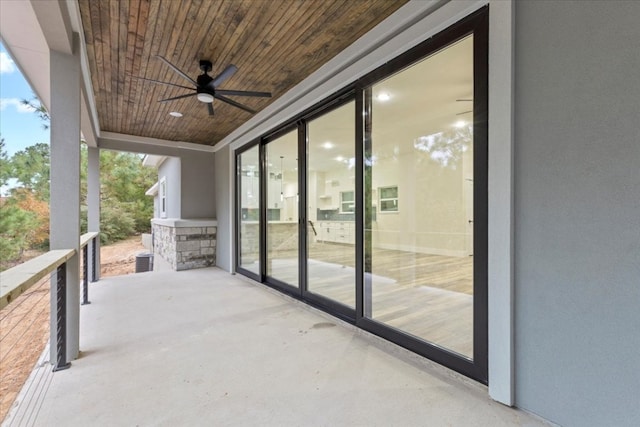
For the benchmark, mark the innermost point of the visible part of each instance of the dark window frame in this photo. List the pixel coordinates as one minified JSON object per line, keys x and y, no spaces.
{"x":238,"y":211}
{"x":478,"y":25}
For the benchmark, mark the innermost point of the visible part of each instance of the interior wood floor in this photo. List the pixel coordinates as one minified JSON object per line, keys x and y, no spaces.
{"x":427,"y":296}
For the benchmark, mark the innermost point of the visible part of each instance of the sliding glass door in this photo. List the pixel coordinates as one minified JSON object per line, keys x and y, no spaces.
{"x":282,"y":199}
{"x":373,"y":204}
{"x":248,"y":169}
{"x":331,"y":175}
{"x":419,"y":179}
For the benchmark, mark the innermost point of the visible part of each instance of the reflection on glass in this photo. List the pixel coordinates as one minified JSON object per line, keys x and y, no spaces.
{"x":249,"y":182}
{"x":282,"y":208}
{"x":331,"y":205}
{"x":419,"y":200}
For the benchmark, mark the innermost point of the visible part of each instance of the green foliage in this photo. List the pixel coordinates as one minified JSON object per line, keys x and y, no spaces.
{"x":123,"y":183}
{"x":115,"y":223}
{"x":30,"y":167}
{"x":5,"y":164}
{"x":15,"y":223}
{"x":125,"y":209}
{"x":39,"y":109}
{"x":14,"y":226}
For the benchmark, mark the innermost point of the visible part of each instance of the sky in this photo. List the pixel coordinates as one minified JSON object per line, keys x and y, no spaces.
{"x":19,"y":126}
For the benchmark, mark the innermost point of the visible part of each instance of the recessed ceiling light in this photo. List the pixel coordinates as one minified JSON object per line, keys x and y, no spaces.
{"x":328,"y":145}
{"x":175,"y":114}
{"x":460,"y":124}
{"x":339,"y":158}
{"x":383,"y":97}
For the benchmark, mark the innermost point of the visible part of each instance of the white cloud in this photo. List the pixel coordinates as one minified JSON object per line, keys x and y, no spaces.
{"x":17,"y":104}
{"x":6,"y":63}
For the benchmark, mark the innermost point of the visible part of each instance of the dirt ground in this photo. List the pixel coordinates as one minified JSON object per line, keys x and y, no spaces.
{"x":24,"y":324}
{"x":120,"y":258}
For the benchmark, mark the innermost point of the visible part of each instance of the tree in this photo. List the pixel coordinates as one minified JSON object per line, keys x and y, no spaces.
{"x":30,"y":167}
{"x":38,"y":234}
{"x":14,"y":226}
{"x":39,"y":109}
{"x":15,"y":223}
{"x":5,"y":164}
{"x":124,"y":182}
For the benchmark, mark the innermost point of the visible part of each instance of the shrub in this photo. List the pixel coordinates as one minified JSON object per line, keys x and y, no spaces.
{"x":115,"y":223}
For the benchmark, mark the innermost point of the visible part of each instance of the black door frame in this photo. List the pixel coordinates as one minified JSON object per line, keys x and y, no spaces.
{"x":238,"y":211}
{"x":334,"y":307}
{"x":476,"y":368}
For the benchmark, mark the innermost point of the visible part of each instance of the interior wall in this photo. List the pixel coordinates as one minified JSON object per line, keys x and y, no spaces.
{"x":223,"y":200}
{"x":577,"y":254}
{"x":170,"y":170}
{"x":431,"y":215}
{"x":198,"y":185}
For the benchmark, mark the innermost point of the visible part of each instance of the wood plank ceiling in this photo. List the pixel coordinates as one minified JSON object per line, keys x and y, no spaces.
{"x":274,"y":43}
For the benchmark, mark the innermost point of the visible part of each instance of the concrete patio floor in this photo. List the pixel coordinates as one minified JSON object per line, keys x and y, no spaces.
{"x":203,"y":347}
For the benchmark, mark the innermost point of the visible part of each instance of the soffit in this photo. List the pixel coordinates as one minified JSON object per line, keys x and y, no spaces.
{"x":274,"y":43}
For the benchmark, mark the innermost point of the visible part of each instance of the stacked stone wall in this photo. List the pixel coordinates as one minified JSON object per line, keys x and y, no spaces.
{"x":185,"y":248}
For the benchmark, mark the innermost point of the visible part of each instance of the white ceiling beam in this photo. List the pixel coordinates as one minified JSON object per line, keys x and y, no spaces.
{"x":145,"y":145}
{"x":55,"y":24}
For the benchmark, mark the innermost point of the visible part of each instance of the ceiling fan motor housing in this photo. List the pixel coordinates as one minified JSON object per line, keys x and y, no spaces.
{"x":203,"y":80}
{"x":206,"y":66}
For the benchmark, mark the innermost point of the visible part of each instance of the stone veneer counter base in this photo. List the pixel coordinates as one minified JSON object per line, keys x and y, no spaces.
{"x":185,"y":243}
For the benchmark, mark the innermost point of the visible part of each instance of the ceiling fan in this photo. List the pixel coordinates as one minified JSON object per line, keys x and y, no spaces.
{"x":206,"y":87}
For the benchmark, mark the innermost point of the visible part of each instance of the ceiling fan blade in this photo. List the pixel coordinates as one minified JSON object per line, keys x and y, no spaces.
{"x":210,"y":108}
{"x":177,"y":70}
{"x":224,"y":75}
{"x":163,"y":83}
{"x":243,"y":93}
{"x":234,"y":103}
{"x":178,"y":97}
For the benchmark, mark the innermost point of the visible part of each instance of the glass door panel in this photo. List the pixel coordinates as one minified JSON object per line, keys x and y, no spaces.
{"x":331,"y":205}
{"x":281,"y":159}
{"x":249,"y":184}
{"x":419,"y":178}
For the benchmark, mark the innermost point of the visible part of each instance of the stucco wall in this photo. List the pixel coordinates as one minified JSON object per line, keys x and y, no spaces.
{"x":170,"y":170}
{"x":224,"y":206}
{"x":198,"y":193}
{"x":577,"y":164}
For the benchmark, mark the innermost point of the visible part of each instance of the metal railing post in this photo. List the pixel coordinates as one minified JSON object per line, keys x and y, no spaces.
{"x":61,"y":319}
{"x":94,"y":261}
{"x":85,"y":275}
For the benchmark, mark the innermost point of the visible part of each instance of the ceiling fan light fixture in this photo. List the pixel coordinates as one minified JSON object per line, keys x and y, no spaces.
{"x":205,"y":97}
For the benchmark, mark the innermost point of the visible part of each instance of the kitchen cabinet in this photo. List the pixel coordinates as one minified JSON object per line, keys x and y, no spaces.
{"x":325,"y":203}
{"x":337,"y":232}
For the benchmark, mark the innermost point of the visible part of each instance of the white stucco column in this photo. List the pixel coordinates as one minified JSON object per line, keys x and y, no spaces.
{"x":501,"y":203}
{"x":93,"y":201}
{"x":65,"y":186}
